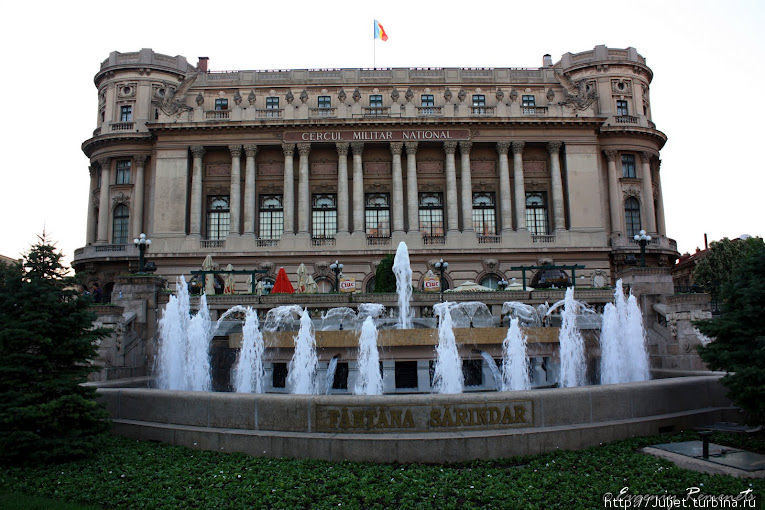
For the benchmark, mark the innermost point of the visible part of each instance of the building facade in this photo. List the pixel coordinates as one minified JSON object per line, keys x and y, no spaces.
{"x":488,"y":169}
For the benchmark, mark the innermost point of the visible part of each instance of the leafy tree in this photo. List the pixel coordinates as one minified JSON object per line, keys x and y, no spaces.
{"x":46,"y":345}
{"x":714,"y":270}
{"x":739,"y":345}
{"x":385,"y":280}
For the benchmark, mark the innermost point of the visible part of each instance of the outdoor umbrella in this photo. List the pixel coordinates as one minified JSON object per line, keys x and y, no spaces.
{"x":469,"y":286}
{"x":282,"y":285}
{"x":208,"y":265}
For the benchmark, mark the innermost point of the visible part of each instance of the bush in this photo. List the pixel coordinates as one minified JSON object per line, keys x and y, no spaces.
{"x":46,"y":345}
{"x":385,"y":280}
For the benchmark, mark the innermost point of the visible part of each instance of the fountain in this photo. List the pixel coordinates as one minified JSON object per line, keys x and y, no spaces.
{"x":495,"y":375}
{"x":403,"y":272}
{"x":171,"y":352}
{"x":330,"y":377}
{"x":572,"y":361}
{"x":301,"y":378}
{"x":515,"y":369}
{"x":370,"y":379}
{"x":623,"y":355}
{"x":248,"y":371}
{"x":447,"y":377}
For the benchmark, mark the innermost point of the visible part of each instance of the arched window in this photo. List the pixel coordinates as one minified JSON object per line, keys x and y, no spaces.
{"x":325,"y":285}
{"x":218,"y":216}
{"x":120,"y":224}
{"x":536,"y":212}
{"x":371,"y":285}
{"x":632,"y":216}
{"x":491,"y":281}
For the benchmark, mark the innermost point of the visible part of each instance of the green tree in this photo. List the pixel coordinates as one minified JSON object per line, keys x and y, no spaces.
{"x":46,"y":346}
{"x":739,"y":335}
{"x":385,"y":280}
{"x":714,"y":270}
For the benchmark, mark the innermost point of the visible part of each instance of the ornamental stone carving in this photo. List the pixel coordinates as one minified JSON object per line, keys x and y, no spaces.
{"x":447,"y":95}
{"x":304,"y":96}
{"x":503,"y":147}
{"x":621,"y":87}
{"x":395,"y":148}
{"x":409,"y":95}
{"x":121,"y":198}
{"x":465,"y":146}
{"x":450,"y":146}
{"x":411,"y":147}
{"x":394,"y":95}
{"x":599,"y":279}
{"x":518,"y":147}
{"x":490,"y":265}
{"x":251,"y":97}
{"x":237,"y":98}
{"x":513,"y":95}
{"x":304,"y":148}
{"x":250,"y":150}
{"x":500,"y":95}
{"x":104,"y":163}
{"x":461,"y":95}
{"x":357,"y":147}
{"x":140,"y":159}
{"x":200,"y":99}
{"x":342,"y":148}
{"x":236,"y":151}
{"x":579,"y":95}
{"x":550,"y":95}
{"x":341,"y":96}
{"x":197,"y":151}
{"x":288,"y":149}
{"x":631,"y":191}
{"x":611,"y":154}
{"x":554,"y":147}
{"x":356,"y":95}
{"x":289,"y":97}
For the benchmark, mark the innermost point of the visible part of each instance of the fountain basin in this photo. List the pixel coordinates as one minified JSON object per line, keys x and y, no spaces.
{"x":425,"y":428}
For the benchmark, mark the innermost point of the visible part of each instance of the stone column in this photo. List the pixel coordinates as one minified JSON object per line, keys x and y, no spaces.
{"x":358,"y":187}
{"x":520,"y":186}
{"x":90,"y":233}
{"x":235,"y":197}
{"x":559,"y":218}
{"x":289,"y":192}
{"x":140,"y":162}
{"x":452,"y":221}
{"x":467,"y":187}
{"x":342,"y":186}
{"x":506,"y":210}
{"x":103,"y":202}
{"x":249,"y":189}
{"x":648,"y":209}
{"x":412,"y":199}
{"x":398,"y":187}
{"x":304,"y":195}
{"x":613,"y":192}
{"x":661,"y":226}
{"x":195,"y":222}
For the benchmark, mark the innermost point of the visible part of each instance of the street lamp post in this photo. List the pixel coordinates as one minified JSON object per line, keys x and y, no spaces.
{"x":337,"y":268}
{"x":441,"y":266}
{"x":642,"y":239}
{"x":142,"y":242}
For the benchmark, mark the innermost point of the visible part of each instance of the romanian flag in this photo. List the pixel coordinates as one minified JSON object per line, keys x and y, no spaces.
{"x":380,"y":31}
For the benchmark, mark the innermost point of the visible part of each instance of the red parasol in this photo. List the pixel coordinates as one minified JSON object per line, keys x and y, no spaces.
{"x":282,"y":285}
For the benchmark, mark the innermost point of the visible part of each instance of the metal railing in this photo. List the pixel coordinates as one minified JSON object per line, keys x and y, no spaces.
{"x":428,"y":240}
{"x":122,"y":126}
{"x":110,"y":247}
{"x":626,"y":119}
{"x":217,"y":114}
{"x":542,"y":238}
{"x":266,"y":242}
{"x":378,"y":241}
{"x":322,"y":241}
{"x":213,"y":243}
{"x":489,"y":238}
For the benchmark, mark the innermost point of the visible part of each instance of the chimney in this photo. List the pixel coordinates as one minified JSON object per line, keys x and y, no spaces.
{"x":202,"y":64}
{"x":547,"y":60}
{"x":706,"y":246}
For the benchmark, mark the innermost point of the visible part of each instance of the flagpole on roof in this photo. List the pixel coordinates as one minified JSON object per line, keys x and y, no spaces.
{"x":374,"y":44}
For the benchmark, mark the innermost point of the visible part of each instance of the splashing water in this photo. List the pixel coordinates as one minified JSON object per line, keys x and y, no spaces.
{"x":403,"y":271}
{"x":447,"y":377}
{"x":496,"y":376}
{"x":529,"y":316}
{"x":283,"y":318}
{"x":370,"y":379}
{"x":572,"y":362}
{"x":330,"y":377}
{"x":515,"y":369}
{"x":635,"y":339}
{"x":249,"y":371}
{"x":301,"y":378}
{"x":173,"y":328}
{"x":200,"y":333}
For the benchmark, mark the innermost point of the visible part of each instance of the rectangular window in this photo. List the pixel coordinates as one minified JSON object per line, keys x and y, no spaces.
{"x":325,"y":101}
{"x":406,"y":374}
{"x":628,"y":166}
{"x":272,"y":103}
{"x":536,"y":212}
{"x":340,"y":381}
{"x":472,"y":371}
{"x":221,"y":104}
{"x":377,"y":214}
{"x":123,"y":171}
{"x":528,"y":100}
{"x":279,"y":375}
{"x":120,"y":224}
{"x":432,"y":214}
{"x":622,"y":108}
{"x":427,"y":100}
{"x":484,"y":214}
{"x":479,"y":104}
{"x":375,"y":104}
{"x":324,"y":216}
{"x":271,"y":217}
{"x":218,"y":216}
{"x":126,"y":113}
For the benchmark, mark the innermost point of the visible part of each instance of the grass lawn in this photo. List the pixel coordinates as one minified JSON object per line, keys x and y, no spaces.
{"x":132,"y":474}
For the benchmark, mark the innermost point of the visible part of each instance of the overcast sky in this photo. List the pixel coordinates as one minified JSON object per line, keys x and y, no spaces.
{"x":707,"y":59}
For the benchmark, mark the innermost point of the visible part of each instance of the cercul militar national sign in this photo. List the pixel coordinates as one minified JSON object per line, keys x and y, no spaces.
{"x":381,"y":135}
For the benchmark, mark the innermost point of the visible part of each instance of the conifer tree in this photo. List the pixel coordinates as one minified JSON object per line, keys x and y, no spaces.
{"x":47,"y":344}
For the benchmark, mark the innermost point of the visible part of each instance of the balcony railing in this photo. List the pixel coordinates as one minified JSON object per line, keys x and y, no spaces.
{"x":213,"y":243}
{"x":489,"y":239}
{"x":626,"y":119}
{"x":261,"y":243}
{"x":378,"y":241}
{"x":482,"y":111}
{"x":323,"y":112}
{"x":122,"y":126}
{"x":376,"y":111}
{"x":429,"y":111}
{"x":533,"y":111}
{"x":322,"y":241}
{"x":428,"y":240}
{"x":542,"y":238}
{"x":269,"y":113}
{"x":110,"y":247}
{"x":217,"y":115}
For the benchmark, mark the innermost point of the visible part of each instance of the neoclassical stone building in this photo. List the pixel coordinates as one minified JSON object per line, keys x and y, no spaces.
{"x":488,"y":169}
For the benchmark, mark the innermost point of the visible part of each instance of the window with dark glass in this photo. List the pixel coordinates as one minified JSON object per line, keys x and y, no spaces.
{"x":123,"y":171}
{"x":375,"y":104}
{"x":271,"y":216}
{"x":340,"y":381}
{"x":377,"y":214}
{"x":479,"y":103}
{"x":484,"y":213}
{"x":218,"y":216}
{"x":279,"y":375}
{"x":272,"y":103}
{"x":324,"y":216}
{"x":432,"y":214}
{"x":472,"y":372}
{"x":406,"y":374}
{"x":490,"y":281}
{"x":221,"y":104}
{"x":628,"y":166}
{"x":325,"y":101}
{"x":536,"y":212}
{"x":427,"y":100}
{"x":632,"y":216}
{"x":126,"y":113}
{"x":528,"y":100}
{"x":120,"y":224}
{"x":622,"y":108}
